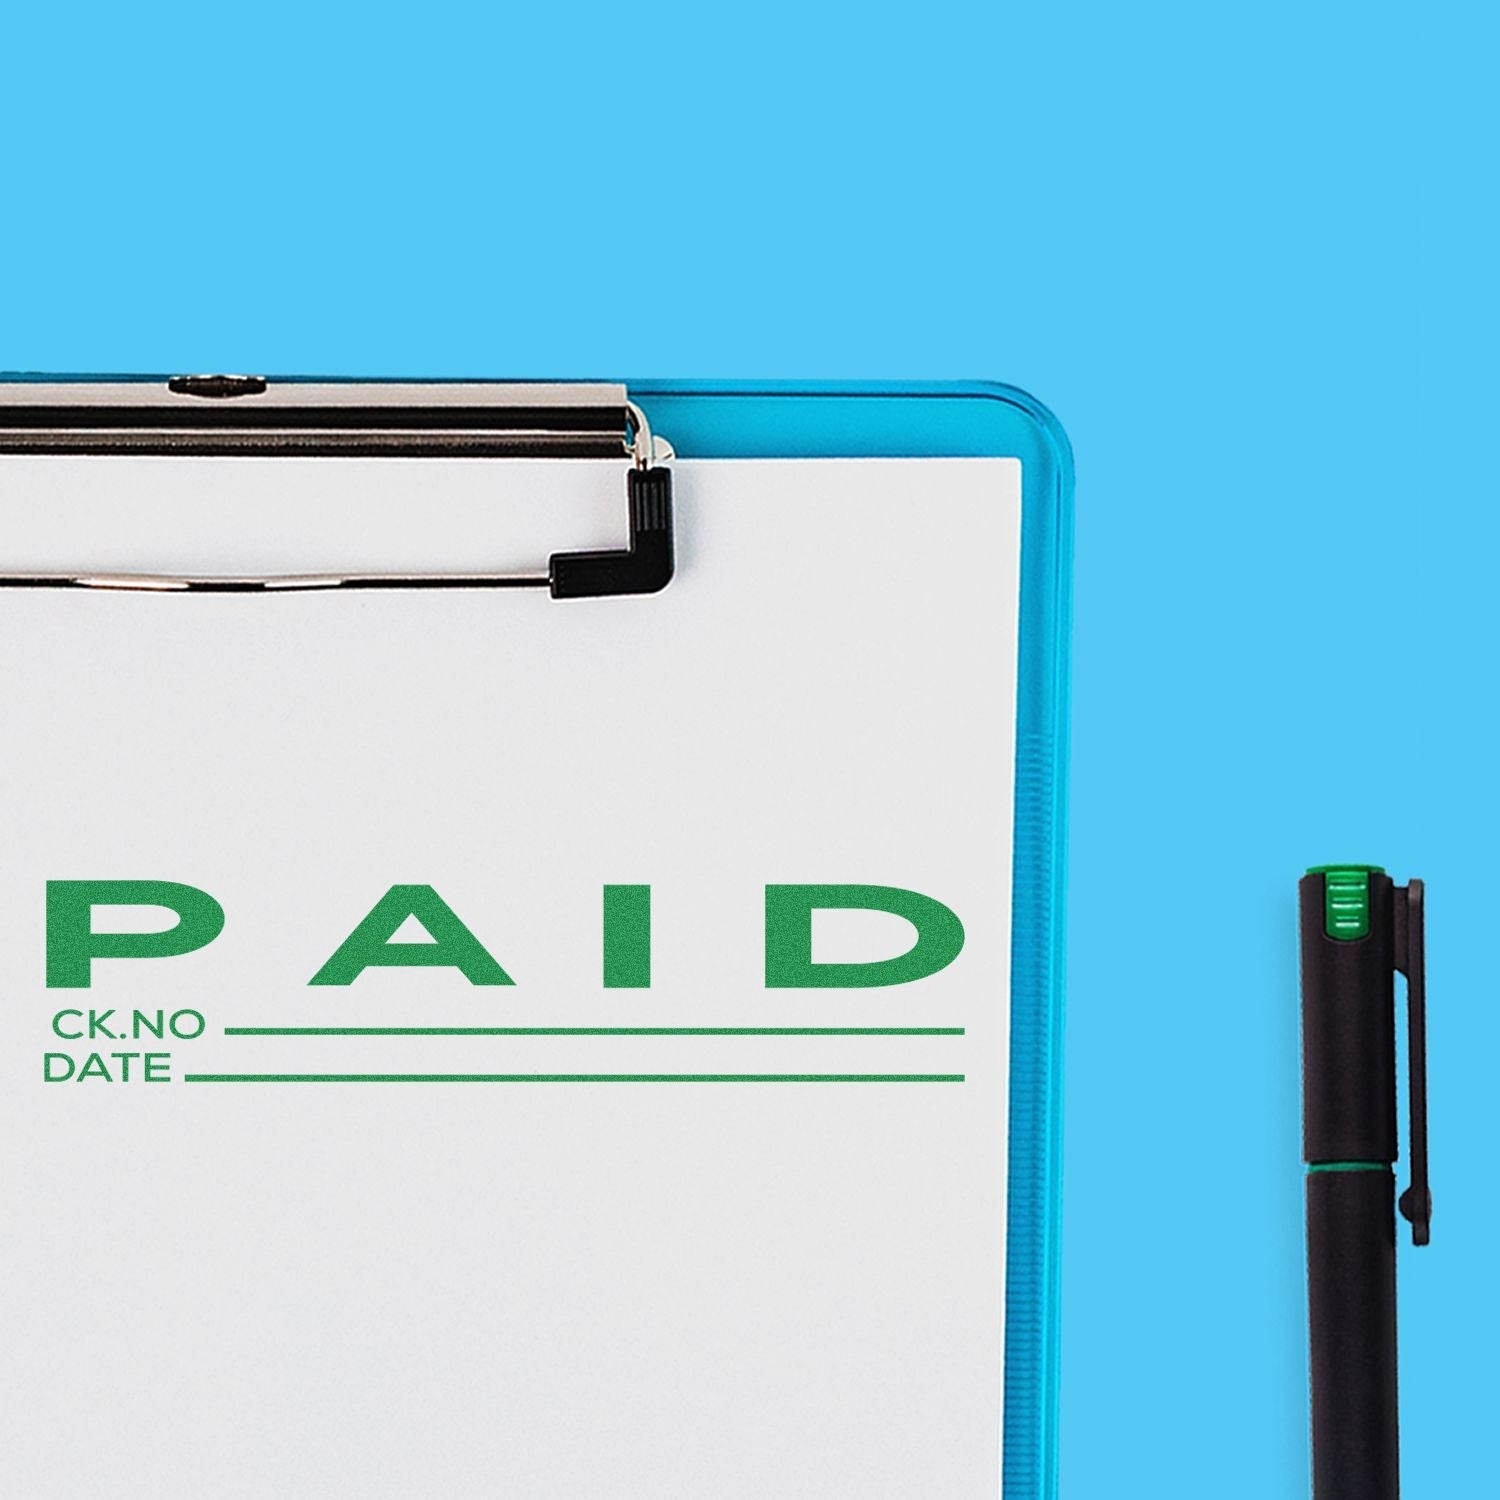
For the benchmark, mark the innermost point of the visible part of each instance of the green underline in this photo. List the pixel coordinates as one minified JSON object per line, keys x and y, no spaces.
{"x":593,"y":1031}
{"x":573,"y":1078}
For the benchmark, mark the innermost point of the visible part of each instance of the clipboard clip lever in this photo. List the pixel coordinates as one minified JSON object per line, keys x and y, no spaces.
{"x":646,"y":564}
{"x":246,"y":415}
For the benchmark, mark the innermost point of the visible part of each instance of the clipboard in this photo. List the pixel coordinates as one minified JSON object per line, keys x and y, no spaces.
{"x":535,"y":942}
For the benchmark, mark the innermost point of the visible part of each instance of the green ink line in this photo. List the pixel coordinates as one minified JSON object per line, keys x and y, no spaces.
{"x":1350,"y":1166}
{"x":572,"y":1077}
{"x":593,"y":1031}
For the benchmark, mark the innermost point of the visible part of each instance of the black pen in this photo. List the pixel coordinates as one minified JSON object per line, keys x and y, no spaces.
{"x":1358,"y":929}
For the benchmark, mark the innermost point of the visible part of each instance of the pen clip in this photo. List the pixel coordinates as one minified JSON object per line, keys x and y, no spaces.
{"x":1411,"y":960}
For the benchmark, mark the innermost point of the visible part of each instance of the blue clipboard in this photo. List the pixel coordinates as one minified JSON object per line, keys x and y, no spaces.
{"x":707,"y":420}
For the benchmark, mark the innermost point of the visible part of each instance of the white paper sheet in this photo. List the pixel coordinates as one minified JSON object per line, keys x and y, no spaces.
{"x":533,"y":1289}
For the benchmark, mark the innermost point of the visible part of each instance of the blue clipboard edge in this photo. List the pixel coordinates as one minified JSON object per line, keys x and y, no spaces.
{"x":733,"y":419}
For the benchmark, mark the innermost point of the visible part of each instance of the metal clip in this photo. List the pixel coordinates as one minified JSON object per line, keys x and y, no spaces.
{"x":248,"y":415}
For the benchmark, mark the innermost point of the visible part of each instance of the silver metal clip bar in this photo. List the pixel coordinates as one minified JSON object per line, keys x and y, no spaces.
{"x":240,"y":415}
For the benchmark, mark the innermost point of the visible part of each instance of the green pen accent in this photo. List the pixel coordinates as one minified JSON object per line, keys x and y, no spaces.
{"x":1351,"y":1166}
{"x":1346,"y":899}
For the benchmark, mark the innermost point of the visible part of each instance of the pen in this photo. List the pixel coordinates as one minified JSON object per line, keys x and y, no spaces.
{"x":1358,"y":930}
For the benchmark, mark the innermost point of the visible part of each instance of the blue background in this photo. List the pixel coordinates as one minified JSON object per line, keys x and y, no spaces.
{"x":1244,"y":252}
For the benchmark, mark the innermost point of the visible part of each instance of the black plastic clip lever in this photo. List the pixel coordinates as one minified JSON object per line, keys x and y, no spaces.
{"x":1411,"y":959}
{"x":644,"y":567}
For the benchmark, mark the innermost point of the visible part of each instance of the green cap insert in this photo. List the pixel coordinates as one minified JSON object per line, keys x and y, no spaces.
{"x":1346,"y":899}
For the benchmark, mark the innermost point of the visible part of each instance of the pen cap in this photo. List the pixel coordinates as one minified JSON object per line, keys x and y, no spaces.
{"x":1348,"y":1016}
